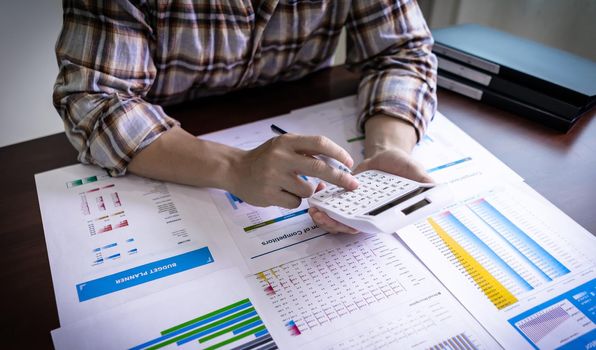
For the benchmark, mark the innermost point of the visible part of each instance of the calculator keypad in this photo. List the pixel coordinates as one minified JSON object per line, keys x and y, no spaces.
{"x":375,"y":189}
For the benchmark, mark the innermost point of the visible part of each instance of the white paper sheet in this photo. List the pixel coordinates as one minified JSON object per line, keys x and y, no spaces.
{"x":268,"y":236}
{"x":523,"y":268}
{"x":367,"y":292}
{"x":112,"y":240}
{"x":217,"y":310}
{"x":108,"y":238}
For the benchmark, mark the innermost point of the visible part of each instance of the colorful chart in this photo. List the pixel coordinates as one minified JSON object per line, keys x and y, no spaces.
{"x":86,"y":180}
{"x":492,"y":244}
{"x":274,"y":220}
{"x":236,"y":326}
{"x":500,"y":296}
{"x":565,"y":322}
{"x":527,"y":248}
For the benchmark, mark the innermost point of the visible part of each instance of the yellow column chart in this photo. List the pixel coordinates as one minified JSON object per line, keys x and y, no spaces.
{"x":490,"y":286}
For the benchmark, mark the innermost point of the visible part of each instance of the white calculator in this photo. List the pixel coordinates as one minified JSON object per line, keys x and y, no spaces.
{"x":382,"y":203}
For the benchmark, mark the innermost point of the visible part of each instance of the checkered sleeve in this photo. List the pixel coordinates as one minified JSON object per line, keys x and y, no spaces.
{"x":390,"y":44}
{"x":105,"y":70}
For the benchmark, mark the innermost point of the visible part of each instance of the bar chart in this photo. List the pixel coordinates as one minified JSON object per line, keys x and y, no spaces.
{"x":257,"y":220}
{"x":543,"y":263}
{"x":236,"y":326}
{"x":439,"y":154}
{"x":566,"y":319}
{"x":458,"y":342}
{"x":86,"y":180}
{"x":496,"y":246}
{"x":537,"y":327}
{"x":491,"y":286}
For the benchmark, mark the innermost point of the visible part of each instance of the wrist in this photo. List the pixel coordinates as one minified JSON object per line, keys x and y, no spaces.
{"x":231,"y":169}
{"x":385,"y":133}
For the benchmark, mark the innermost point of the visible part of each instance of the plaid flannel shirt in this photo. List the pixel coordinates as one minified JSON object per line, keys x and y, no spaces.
{"x":121,"y":60}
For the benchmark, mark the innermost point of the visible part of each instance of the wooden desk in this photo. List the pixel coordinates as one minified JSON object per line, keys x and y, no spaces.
{"x":562,"y":167}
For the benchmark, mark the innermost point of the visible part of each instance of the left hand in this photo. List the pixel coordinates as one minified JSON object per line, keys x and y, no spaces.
{"x":395,"y":161}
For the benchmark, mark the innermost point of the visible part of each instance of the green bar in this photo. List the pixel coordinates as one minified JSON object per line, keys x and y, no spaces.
{"x":75,"y":183}
{"x":199,"y":330}
{"x":91,"y":179}
{"x":357,"y":138}
{"x":229,"y":329}
{"x":239,"y":336}
{"x":261,"y":224}
{"x":187,"y":323}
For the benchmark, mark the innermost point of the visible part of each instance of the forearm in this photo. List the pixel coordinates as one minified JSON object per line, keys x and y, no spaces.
{"x":397,"y":64}
{"x":177,"y":156}
{"x":386,"y":133}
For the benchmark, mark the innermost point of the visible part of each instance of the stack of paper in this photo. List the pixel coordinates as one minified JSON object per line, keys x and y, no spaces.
{"x":141,"y":264}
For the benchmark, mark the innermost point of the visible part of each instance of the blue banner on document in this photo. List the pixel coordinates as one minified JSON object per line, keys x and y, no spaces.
{"x":144,"y":273}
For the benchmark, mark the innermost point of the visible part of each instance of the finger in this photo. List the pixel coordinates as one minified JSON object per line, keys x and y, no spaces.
{"x":313,"y":145}
{"x":328,"y":224}
{"x":317,"y":168}
{"x":425,"y":178}
{"x":297,"y":186}
{"x":364,"y":166}
{"x":320,"y":186}
{"x":418,"y":173}
{"x":286,"y":200}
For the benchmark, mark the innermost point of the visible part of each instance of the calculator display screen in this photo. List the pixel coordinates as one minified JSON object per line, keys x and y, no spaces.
{"x":398,"y":201}
{"x":415,"y":206}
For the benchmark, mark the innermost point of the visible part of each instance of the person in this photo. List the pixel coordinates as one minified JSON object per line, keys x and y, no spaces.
{"x":120,"y":61}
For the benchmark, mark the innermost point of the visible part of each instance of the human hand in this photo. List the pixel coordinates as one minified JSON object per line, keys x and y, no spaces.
{"x":398,"y":162}
{"x":269,"y":174}
{"x":394,"y":161}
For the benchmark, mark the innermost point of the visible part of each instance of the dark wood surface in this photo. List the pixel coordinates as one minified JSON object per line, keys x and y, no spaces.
{"x":562,"y":167}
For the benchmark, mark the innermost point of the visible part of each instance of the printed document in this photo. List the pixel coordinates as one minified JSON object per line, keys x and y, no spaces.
{"x":142,"y":264}
{"x":523,"y":268}
{"x":113,"y":240}
{"x":268,"y":236}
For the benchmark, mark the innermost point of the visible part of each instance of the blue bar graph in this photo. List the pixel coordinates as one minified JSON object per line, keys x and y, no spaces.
{"x":192,"y":326}
{"x":237,"y":325}
{"x":247,"y":327}
{"x":261,"y":333}
{"x":217,"y":328}
{"x":211,"y":319}
{"x":484,"y":250}
{"x":447,"y":165}
{"x":547,"y":265}
{"x":541,"y":320}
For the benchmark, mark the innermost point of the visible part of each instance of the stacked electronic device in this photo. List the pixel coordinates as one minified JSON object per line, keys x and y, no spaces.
{"x":529,"y":79}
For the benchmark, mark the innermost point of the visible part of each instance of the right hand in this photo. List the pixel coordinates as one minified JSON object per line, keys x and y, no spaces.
{"x":395,"y":161}
{"x":269,"y":174}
